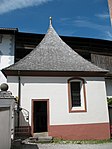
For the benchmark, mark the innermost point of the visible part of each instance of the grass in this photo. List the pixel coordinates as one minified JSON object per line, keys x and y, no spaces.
{"x":61,"y":141}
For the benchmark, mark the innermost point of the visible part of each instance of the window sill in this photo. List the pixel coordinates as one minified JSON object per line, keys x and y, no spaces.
{"x":77,"y":110}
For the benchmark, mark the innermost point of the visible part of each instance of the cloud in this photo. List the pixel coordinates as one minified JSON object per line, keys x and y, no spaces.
{"x":65,"y":19}
{"x":10,"y":5}
{"x":109,"y":35}
{"x":102,"y":16}
{"x":89,"y":24}
{"x":104,"y":30}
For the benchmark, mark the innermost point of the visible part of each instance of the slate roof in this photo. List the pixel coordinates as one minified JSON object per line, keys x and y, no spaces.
{"x":53,"y":54}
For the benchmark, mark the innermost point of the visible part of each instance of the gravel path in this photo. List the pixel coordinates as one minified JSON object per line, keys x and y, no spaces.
{"x":75,"y":146}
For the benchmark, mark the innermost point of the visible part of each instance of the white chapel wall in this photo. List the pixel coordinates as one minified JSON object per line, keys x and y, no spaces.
{"x":56,"y":90}
{"x":6,"y":54}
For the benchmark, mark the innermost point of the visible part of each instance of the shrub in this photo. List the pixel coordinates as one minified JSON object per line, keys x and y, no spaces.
{"x":109,"y":100}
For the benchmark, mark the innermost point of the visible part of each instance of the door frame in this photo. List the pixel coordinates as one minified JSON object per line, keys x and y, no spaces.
{"x":32,"y":114}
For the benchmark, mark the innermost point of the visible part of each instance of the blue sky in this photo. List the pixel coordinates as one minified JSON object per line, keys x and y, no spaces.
{"x":78,"y":18}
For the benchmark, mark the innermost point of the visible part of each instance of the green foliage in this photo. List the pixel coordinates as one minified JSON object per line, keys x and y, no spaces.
{"x":61,"y":141}
{"x":109,"y":100}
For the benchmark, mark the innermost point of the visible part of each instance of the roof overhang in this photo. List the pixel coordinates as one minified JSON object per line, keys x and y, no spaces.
{"x":53,"y":73}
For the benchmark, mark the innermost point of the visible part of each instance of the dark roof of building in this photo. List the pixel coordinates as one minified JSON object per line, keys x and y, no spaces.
{"x":8,"y":30}
{"x":53,"y":54}
{"x":26,"y":42}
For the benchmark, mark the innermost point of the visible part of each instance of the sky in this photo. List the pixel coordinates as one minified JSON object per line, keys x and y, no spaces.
{"x":77,"y":18}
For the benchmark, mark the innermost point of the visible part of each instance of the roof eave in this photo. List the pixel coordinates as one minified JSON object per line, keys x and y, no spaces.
{"x":54,"y":73}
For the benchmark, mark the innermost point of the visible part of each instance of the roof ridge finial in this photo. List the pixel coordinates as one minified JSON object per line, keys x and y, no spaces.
{"x":50,"y":18}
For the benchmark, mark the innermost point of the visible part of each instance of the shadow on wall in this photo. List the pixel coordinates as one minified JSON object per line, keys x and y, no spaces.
{"x":110,"y":118}
{"x":108,"y":83}
{"x":110,"y":114}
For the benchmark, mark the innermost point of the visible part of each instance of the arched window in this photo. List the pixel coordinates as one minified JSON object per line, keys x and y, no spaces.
{"x":76,"y":95}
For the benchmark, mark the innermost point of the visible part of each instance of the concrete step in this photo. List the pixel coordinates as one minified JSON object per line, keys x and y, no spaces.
{"x":41,"y":134}
{"x":46,"y":139}
{"x":39,"y":139}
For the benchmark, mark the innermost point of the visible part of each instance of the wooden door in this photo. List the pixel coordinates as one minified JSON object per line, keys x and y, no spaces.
{"x":40,"y":119}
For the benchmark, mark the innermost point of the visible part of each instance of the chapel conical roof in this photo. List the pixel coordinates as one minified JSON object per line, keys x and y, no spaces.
{"x":53,"y":54}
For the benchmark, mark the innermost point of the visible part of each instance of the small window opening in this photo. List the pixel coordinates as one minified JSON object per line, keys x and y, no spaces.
{"x":75,"y":94}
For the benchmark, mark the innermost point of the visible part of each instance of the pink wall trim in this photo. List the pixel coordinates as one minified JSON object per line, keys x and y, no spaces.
{"x":97,"y":131}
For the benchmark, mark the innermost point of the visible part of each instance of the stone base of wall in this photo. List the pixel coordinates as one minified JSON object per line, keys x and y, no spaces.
{"x":98,"y":131}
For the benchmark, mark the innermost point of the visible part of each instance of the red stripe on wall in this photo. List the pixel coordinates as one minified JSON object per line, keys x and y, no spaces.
{"x":98,"y":131}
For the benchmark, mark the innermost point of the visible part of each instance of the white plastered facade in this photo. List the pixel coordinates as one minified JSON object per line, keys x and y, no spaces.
{"x":56,"y":90}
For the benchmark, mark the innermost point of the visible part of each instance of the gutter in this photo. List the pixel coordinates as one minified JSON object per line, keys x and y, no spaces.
{"x":19,"y":99}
